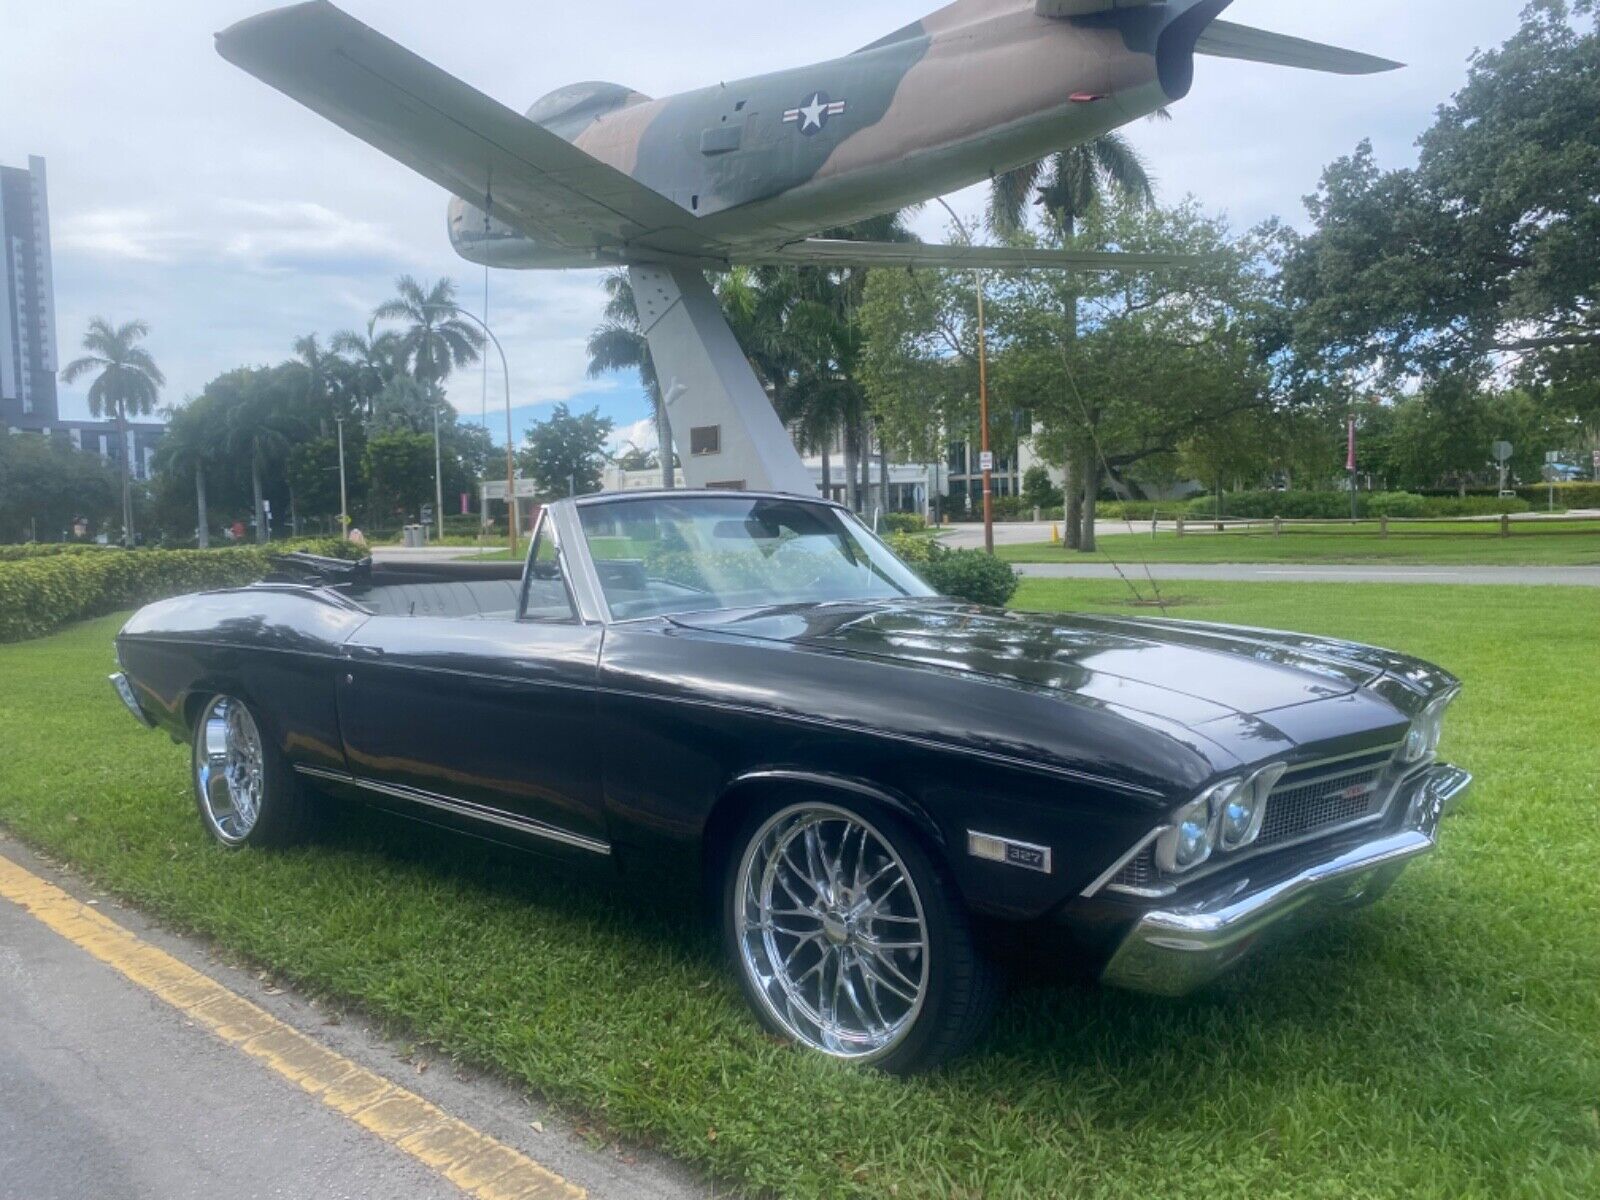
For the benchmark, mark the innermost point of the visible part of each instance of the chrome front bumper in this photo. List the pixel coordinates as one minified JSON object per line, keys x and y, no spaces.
{"x":1172,"y":951}
{"x":125,"y":693}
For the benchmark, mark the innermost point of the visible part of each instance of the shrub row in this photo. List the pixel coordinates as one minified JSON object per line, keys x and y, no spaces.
{"x":40,"y":594}
{"x":1335,"y":506}
{"x":25,"y":550}
{"x":1568,"y":495}
{"x":969,"y":575}
{"x":903,"y":523}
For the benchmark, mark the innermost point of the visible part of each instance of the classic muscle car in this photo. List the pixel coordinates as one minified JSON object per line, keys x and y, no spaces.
{"x":753,"y":692}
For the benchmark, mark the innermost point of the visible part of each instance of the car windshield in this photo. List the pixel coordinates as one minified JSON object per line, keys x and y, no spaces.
{"x":661,"y":555}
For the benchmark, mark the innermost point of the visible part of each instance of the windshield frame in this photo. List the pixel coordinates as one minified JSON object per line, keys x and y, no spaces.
{"x":601,"y":605}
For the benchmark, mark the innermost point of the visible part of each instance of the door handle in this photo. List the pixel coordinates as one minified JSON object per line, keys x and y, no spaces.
{"x":365,"y":653}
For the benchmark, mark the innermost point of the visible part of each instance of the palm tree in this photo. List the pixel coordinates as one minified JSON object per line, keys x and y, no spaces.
{"x":258,"y":426}
{"x":435,"y":341}
{"x":617,"y":344}
{"x":1069,"y":186}
{"x":127,"y":380}
{"x":190,"y":442}
{"x":371,"y":360}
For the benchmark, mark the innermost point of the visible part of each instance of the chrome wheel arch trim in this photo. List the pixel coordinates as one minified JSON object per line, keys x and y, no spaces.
{"x":461,"y":808}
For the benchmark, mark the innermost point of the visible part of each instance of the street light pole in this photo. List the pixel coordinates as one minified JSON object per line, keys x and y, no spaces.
{"x":438,"y":472}
{"x":344,"y":502}
{"x":986,"y":460}
{"x":511,"y":465}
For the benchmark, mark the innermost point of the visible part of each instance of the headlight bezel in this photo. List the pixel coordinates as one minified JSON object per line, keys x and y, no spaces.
{"x":1422,"y":738}
{"x":1208,"y":813}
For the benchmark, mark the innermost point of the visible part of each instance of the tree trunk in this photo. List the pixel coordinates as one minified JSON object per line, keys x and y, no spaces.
{"x":1072,"y":491}
{"x":865,"y":461}
{"x":883,"y":477}
{"x":827,"y":473}
{"x":852,"y":478}
{"x":669,"y":477}
{"x":123,"y":454}
{"x":1091,"y":497}
{"x":261,"y":504}
{"x":203,"y":530}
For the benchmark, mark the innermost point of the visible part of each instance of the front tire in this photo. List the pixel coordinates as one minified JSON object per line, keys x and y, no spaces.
{"x":243,"y":788}
{"x":850,"y":940}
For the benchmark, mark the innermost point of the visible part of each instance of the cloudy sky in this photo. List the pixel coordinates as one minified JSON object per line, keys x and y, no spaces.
{"x":232,"y":220}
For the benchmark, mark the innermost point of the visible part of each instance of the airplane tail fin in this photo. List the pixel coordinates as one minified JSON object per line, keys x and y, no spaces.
{"x":1224,"y":39}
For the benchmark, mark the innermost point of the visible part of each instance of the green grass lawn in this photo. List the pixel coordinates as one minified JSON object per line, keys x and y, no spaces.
{"x":1445,"y":1043}
{"x":1577,"y":543}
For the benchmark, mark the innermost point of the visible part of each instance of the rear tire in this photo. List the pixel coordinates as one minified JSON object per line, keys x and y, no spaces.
{"x":850,"y":940}
{"x":245,"y":791}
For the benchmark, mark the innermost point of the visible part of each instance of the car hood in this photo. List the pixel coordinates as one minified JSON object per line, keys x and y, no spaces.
{"x":1183,"y":671}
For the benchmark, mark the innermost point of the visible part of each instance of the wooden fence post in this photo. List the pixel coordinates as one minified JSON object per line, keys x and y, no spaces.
{"x":1383,"y":526}
{"x":1277,"y":526}
{"x":1180,"y":524}
{"x":1505,"y":524}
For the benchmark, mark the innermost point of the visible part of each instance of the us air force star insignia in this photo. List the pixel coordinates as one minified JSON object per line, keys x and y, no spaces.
{"x":812,"y":116}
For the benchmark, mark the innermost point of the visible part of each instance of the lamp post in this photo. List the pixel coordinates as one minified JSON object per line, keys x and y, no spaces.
{"x":986,"y":457}
{"x":511,"y":466}
{"x":438,"y":472}
{"x":344,"y":502}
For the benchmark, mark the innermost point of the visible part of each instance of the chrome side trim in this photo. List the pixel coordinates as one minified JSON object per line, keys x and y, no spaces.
{"x":462,"y":808}
{"x":1111,"y":872}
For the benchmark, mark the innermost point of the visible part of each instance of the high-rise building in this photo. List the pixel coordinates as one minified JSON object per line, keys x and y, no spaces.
{"x":28,"y":362}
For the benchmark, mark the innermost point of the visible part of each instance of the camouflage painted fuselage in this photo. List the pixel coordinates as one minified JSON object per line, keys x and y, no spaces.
{"x":971,"y":91}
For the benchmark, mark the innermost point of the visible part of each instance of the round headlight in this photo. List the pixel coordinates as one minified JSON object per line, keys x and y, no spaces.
{"x":1243,"y":810}
{"x":1417,"y":739}
{"x":1193,"y":834}
{"x":1422,"y":739}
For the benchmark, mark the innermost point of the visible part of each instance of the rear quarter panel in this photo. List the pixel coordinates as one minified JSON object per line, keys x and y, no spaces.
{"x":275,"y":648}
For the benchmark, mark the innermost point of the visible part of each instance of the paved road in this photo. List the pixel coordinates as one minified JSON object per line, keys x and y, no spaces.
{"x":1292,"y":573}
{"x":108,"y":1091}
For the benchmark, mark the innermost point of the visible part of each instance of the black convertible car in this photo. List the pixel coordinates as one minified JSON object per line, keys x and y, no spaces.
{"x":752,"y":691}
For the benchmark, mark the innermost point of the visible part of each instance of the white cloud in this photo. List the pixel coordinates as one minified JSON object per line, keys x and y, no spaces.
{"x":641,"y":435}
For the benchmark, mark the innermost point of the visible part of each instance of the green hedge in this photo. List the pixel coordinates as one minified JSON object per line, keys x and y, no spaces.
{"x":28,"y":550}
{"x":1568,"y":495}
{"x":40,"y":594}
{"x":1335,"y":506}
{"x":903,"y":523}
{"x":969,"y":575}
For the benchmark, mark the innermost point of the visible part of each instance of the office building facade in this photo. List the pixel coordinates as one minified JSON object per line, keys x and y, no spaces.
{"x":28,"y":351}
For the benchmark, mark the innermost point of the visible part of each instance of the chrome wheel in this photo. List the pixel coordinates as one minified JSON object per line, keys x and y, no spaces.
{"x":831,"y":932}
{"x":229,"y":774}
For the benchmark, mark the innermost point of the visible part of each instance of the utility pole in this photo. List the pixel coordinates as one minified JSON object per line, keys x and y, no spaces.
{"x":986,"y":459}
{"x":344,"y":501}
{"x":438,"y":472}
{"x":1350,"y":465}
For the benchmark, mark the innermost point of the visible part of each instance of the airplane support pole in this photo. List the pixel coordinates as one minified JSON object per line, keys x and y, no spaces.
{"x":709,"y":386}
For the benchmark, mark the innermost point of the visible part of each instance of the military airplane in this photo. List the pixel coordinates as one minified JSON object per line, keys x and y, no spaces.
{"x":750,"y":171}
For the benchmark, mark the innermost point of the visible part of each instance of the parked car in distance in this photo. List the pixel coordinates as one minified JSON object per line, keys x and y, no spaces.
{"x":752,"y":692}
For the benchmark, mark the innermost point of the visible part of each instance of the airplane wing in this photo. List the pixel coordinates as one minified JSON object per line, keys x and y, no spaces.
{"x":1084,"y":8}
{"x":1224,"y":39}
{"x":453,"y":134}
{"x":825,"y":252}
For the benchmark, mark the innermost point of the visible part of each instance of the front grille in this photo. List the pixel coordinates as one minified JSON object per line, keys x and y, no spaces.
{"x":1299,"y":809}
{"x":1140,"y":871}
{"x":1308,"y":801}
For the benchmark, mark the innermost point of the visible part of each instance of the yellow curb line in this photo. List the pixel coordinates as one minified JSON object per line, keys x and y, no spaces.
{"x":476,"y":1163}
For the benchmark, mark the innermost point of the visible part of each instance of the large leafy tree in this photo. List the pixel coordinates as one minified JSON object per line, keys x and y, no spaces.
{"x":260,"y":427}
{"x":434,"y":341}
{"x":45,"y":485}
{"x":566,"y":453}
{"x":618,"y":344}
{"x":1070,"y":187}
{"x":127,"y":383}
{"x":1485,"y":256}
{"x":371,"y":359}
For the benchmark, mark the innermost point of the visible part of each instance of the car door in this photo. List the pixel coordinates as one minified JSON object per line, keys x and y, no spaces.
{"x":482,"y":723}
